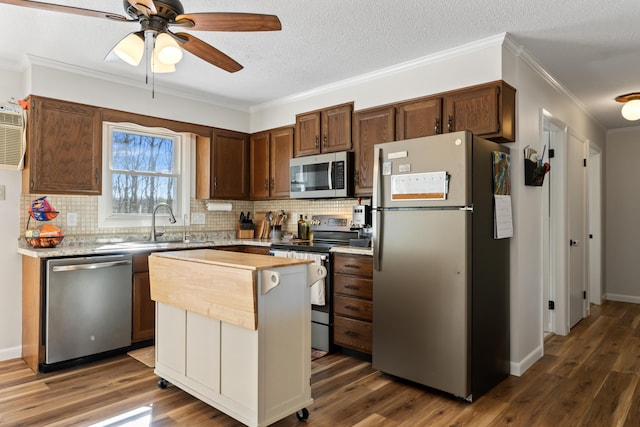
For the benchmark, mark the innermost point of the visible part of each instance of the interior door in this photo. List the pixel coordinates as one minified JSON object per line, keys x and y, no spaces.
{"x":577,"y":229}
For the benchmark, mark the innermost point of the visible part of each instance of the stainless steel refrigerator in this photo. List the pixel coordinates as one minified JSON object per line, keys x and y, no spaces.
{"x":440,"y":279}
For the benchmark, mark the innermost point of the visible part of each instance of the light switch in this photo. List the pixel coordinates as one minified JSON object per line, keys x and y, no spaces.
{"x":3,"y":194}
{"x":72,"y":219}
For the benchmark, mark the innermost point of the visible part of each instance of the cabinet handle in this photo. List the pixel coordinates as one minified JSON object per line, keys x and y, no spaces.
{"x":351,"y":287}
{"x":31,"y":184}
{"x":273,"y":183}
{"x":97,"y":177}
{"x":356,"y":177}
{"x":215,"y":182}
{"x":352,"y":334}
{"x":317,"y":141}
{"x":436,"y":127}
{"x":450,"y":124}
{"x":324,"y":141}
{"x":266,"y":183}
{"x":357,"y":267}
{"x":351,"y":307}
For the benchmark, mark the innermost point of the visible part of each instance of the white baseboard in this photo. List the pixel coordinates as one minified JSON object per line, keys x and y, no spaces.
{"x":10,"y":353}
{"x":519,"y":368}
{"x":622,"y":298}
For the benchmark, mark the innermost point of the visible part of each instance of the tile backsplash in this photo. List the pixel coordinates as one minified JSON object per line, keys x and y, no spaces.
{"x":86,"y":209}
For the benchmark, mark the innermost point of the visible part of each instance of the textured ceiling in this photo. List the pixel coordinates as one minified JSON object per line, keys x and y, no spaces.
{"x":591,"y":47}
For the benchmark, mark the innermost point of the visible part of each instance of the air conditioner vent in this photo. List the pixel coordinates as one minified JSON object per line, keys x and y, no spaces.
{"x":11,"y":137}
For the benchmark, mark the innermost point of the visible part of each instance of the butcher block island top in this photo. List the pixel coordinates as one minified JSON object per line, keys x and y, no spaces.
{"x":213,"y":283}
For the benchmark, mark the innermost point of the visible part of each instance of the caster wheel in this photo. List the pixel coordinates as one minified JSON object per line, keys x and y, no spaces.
{"x":302,"y":414}
{"x":162,"y":383}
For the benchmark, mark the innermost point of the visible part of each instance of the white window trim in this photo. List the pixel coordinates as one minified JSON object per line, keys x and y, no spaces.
{"x":185,"y":143}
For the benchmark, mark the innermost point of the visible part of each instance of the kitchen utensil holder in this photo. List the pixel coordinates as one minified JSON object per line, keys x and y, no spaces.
{"x":533,"y":174}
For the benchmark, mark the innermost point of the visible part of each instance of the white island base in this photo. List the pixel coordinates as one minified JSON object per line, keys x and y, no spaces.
{"x":255,"y":365}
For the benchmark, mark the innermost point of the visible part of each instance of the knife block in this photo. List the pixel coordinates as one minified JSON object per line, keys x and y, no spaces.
{"x":244,"y":233}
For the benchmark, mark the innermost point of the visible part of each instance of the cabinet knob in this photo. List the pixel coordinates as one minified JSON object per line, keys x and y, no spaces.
{"x":450,"y":124}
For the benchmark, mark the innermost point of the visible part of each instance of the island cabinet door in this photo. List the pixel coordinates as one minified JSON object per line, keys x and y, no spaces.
{"x":203,"y":350}
{"x":171,"y":337}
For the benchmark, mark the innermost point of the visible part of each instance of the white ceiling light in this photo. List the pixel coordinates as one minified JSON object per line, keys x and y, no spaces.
{"x":631,"y":107}
{"x":130,"y":49}
{"x":158,"y":66}
{"x":168,"y":50}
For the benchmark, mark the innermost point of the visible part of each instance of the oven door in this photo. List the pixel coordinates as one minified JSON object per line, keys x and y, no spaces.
{"x":321,"y":298}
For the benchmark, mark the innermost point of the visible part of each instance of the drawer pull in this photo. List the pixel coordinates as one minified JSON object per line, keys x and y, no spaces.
{"x":352,"y":334}
{"x":351,"y":287}
{"x":357,"y":267}
{"x":351,"y":307}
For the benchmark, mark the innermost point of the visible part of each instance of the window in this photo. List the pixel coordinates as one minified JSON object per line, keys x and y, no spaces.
{"x":141,"y":168}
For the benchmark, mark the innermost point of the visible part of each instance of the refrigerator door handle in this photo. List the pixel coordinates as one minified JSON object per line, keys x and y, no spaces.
{"x":375,"y":219}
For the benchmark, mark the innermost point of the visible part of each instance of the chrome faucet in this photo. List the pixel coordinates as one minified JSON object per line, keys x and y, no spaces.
{"x":172,"y":220}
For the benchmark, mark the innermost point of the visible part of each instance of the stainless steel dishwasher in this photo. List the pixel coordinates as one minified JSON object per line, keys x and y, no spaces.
{"x":87,"y":306}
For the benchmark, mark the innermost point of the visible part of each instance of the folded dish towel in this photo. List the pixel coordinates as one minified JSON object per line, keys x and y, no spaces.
{"x":317,"y":289}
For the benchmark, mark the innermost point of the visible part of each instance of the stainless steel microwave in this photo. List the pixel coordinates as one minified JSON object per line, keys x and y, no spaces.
{"x":323,"y":175}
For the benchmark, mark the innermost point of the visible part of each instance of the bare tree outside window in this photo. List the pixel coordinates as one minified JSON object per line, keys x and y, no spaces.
{"x":143,"y":171}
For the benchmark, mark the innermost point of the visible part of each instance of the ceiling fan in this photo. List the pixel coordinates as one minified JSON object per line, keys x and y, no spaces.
{"x":162,"y":45}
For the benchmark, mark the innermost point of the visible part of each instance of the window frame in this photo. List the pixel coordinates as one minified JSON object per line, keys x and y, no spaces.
{"x":183,"y":151}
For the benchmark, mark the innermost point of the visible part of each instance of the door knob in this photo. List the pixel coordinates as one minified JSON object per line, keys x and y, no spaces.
{"x":573,"y":243}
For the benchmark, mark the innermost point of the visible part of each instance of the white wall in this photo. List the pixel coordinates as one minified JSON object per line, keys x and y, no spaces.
{"x":11,"y":85}
{"x":622,"y":207}
{"x":535,"y":91}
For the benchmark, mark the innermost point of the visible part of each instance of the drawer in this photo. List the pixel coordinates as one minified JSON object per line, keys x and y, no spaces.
{"x":353,"y":285}
{"x":140,"y":263}
{"x":351,"y":333}
{"x":353,"y":307}
{"x":359,"y":265}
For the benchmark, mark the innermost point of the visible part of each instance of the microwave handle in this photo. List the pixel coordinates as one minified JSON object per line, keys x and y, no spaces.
{"x":330,"y":172}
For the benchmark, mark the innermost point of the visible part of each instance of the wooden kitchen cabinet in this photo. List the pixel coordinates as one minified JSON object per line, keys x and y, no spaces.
{"x":487,"y":110}
{"x":323,"y":131}
{"x":420,"y":117}
{"x":222,"y":165}
{"x":353,"y":305}
{"x":143,"y":316}
{"x":64,"y":149}
{"x":370,"y":127}
{"x":270,"y":152}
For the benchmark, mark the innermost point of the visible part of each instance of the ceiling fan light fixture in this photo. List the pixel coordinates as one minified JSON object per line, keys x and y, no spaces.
{"x":631,"y":107}
{"x":159,"y":67}
{"x":168,"y":50}
{"x":130,"y":49}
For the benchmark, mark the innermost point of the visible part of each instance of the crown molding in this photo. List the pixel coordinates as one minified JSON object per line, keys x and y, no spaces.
{"x":492,"y":41}
{"x":159,"y":88}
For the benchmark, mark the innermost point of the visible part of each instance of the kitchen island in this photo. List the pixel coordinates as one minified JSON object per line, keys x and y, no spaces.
{"x":234,"y":330}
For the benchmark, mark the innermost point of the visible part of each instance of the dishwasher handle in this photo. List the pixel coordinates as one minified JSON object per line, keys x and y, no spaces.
{"x":92,"y":266}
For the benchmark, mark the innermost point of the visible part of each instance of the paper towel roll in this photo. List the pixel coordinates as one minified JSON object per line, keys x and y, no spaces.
{"x":212,"y":206}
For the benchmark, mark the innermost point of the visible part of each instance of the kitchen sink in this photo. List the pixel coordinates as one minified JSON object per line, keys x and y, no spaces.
{"x":144,"y":244}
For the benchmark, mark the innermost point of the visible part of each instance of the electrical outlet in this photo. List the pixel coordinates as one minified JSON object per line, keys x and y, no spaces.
{"x":3,"y":191}
{"x":72,"y":219}
{"x":197,"y":218}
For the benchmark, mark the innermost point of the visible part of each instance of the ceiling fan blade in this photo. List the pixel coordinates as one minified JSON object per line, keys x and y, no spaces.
{"x":228,"y":21}
{"x":208,"y":53}
{"x":65,"y":9}
{"x":147,"y":7}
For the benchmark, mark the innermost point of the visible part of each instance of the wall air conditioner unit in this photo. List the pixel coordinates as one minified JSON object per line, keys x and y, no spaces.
{"x":12,"y":136}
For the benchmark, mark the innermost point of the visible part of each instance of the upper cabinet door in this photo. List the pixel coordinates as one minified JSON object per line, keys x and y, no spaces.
{"x":307,"y":140}
{"x":487,"y":110}
{"x":64,"y":148}
{"x":230,"y":177}
{"x":323,"y":131}
{"x":370,"y":127}
{"x":422,"y":117}
{"x":336,"y":128}
{"x":259,"y":165}
{"x":281,"y":151}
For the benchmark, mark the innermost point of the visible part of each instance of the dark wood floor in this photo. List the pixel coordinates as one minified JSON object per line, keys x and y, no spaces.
{"x":589,"y":378}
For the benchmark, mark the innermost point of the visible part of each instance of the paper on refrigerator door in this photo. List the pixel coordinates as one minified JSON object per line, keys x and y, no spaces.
{"x":419,"y":186}
{"x":502,"y":217}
